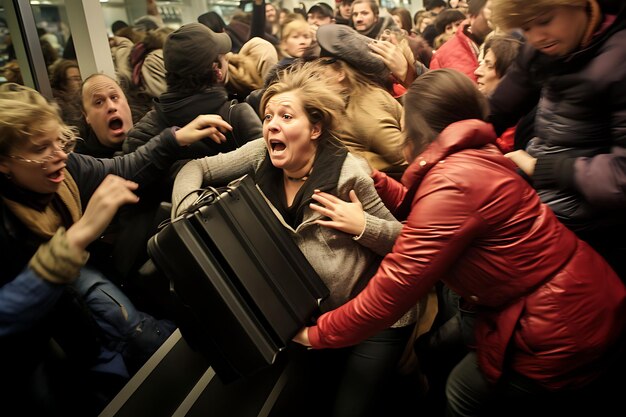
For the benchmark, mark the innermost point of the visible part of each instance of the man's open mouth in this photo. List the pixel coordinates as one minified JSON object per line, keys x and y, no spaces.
{"x":116,"y":123}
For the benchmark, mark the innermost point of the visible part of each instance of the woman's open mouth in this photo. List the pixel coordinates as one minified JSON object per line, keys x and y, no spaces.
{"x":277,"y":146}
{"x":56,"y":176}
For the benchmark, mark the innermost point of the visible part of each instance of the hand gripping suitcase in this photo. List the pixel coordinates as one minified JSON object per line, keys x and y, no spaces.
{"x":242,"y":287}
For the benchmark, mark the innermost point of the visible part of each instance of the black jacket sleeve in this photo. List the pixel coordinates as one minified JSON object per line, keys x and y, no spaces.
{"x":143,"y":166}
{"x":145,"y":129}
{"x":516,"y":95}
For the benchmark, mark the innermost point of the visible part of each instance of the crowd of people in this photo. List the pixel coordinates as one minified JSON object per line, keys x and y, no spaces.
{"x":456,"y":176}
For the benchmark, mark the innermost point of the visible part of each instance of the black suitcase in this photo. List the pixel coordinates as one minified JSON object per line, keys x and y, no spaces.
{"x":242,"y":287}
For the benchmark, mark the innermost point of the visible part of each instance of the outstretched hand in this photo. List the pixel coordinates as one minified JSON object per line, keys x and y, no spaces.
{"x":204,"y":126}
{"x":110,"y":195}
{"x":345,"y":216}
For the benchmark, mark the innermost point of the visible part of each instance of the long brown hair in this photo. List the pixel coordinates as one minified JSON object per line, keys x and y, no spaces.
{"x":58,"y":78}
{"x":434,"y":101}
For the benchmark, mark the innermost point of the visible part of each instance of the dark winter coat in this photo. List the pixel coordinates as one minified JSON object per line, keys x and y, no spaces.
{"x":580,"y":127}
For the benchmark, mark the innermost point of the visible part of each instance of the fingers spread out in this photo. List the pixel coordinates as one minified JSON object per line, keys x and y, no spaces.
{"x":325,"y":198}
{"x":381,"y":47}
{"x":321,"y":210}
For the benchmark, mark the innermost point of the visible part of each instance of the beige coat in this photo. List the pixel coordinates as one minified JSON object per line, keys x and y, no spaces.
{"x":374,"y":129}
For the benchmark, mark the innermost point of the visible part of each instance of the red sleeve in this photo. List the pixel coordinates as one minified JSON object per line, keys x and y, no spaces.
{"x":390,"y":191}
{"x":507,"y":140}
{"x":440,"y":226}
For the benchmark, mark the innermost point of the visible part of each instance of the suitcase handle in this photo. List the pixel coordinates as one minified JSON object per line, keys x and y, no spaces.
{"x":205,"y":196}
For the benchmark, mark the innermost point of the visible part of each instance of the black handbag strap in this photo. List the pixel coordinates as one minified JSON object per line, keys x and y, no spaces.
{"x":228,"y":114}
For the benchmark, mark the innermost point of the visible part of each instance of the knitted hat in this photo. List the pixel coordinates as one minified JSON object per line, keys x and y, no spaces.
{"x":193,"y":47}
{"x":345,"y":43}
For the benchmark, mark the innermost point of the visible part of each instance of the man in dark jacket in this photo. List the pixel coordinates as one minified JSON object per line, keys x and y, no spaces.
{"x":196,"y":69}
{"x":572,"y":69}
{"x":107,"y":117}
{"x":367,"y":21}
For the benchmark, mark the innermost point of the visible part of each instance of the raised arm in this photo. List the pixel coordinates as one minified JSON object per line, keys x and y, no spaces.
{"x":34,"y":292}
{"x":405,"y":275}
{"x":146,"y":164}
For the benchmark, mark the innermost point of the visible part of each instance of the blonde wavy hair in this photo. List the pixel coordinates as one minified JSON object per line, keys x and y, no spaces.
{"x":321,"y":100}
{"x":24,"y":114}
{"x":514,"y":14}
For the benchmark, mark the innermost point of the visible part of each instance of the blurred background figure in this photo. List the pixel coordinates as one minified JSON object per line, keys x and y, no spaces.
{"x":12,"y":73}
{"x":65,"y":81}
{"x":343,"y":16}
{"x":446,"y":24}
{"x":500,"y":53}
{"x":271,"y":19}
{"x":366,"y":19}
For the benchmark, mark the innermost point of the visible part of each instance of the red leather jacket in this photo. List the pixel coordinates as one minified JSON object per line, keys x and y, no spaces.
{"x":549,"y":306}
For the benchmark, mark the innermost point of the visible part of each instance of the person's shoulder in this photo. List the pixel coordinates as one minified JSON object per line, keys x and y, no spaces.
{"x":148,"y":124}
{"x":154,"y":57}
{"x":355,"y":167}
{"x":618,"y":40}
{"x":383,"y":98}
{"x":452,"y":46}
{"x":79,"y":166}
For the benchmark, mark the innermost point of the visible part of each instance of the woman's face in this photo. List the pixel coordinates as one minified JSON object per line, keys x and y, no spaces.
{"x":451,"y":28}
{"x":72,"y":75}
{"x":290,"y":138}
{"x":296,"y":43}
{"x":282,"y":17}
{"x":486,"y":77}
{"x":425,"y":22}
{"x":36,"y":164}
{"x":345,"y":10}
{"x":558,"y":32}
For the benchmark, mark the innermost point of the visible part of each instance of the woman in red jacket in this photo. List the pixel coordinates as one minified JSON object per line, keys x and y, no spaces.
{"x":550,"y":310}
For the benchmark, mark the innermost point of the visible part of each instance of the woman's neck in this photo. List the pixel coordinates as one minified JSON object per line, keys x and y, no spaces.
{"x":300,"y":175}
{"x":294,"y":180}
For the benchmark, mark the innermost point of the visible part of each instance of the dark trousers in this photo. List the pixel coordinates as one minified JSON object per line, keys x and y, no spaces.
{"x":469,"y":393}
{"x":356,"y":381}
